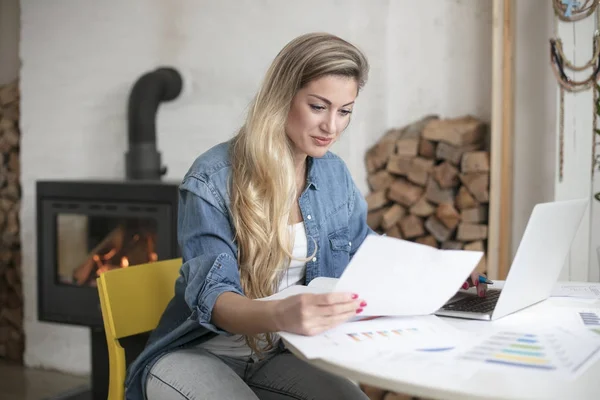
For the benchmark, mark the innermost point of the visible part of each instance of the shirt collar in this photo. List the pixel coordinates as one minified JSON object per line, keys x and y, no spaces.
{"x":312,"y":179}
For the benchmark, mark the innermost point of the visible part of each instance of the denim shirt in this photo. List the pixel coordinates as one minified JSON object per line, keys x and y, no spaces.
{"x":334,"y":214}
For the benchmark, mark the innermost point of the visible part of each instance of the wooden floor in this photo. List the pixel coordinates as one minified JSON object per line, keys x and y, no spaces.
{"x":20,"y":383}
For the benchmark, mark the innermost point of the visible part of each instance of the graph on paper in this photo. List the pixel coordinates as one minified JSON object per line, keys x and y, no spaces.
{"x":424,"y":337}
{"x":590,"y":318}
{"x":376,"y":335}
{"x":557,"y":350}
{"x":366,"y":338}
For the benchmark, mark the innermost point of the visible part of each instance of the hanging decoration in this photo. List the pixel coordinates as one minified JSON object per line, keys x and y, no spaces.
{"x":595,"y":157}
{"x":559,"y":63}
{"x":571,"y":11}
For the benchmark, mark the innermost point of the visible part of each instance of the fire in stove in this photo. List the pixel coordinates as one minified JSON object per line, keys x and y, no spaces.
{"x":128,"y":243}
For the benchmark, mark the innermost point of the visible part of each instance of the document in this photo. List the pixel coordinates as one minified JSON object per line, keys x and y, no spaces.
{"x":358,"y":341}
{"x":397,"y":277}
{"x":402,"y":278}
{"x":577,"y":289}
{"x":582,"y":290}
{"x":557,"y":350}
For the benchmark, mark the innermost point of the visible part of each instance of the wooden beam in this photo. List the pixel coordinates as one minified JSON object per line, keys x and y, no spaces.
{"x":501,"y":169}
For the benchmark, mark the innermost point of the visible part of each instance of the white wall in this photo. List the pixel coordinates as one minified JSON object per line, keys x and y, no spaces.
{"x":9,"y":40}
{"x":535,"y":113}
{"x":80,"y":59}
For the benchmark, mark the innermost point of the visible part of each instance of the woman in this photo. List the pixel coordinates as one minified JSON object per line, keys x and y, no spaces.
{"x":269,"y":209}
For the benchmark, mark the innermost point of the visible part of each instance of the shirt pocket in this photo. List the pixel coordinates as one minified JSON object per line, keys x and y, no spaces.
{"x":340,"y":245}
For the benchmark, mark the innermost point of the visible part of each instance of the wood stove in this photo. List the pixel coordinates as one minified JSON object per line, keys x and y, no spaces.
{"x":85,"y":228}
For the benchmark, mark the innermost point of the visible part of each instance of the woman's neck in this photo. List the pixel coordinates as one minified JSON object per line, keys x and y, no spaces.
{"x":300,"y":171}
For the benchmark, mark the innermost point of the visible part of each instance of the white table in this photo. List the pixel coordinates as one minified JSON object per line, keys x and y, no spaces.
{"x":499,"y":383}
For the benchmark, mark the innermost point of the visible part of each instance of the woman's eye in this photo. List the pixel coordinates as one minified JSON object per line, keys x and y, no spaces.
{"x":317,"y":107}
{"x":346,"y":112}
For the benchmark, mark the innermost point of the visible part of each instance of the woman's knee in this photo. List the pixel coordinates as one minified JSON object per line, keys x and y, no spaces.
{"x":287,"y":377}
{"x":169,"y":389}
{"x":194,"y":374}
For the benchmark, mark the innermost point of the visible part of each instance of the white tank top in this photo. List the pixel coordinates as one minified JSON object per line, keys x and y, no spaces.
{"x":235,"y":345}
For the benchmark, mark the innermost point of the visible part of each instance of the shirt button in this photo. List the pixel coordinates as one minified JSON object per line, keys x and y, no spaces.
{"x":308,"y":216}
{"x":314,"y":259}
{"x":350,"y":244}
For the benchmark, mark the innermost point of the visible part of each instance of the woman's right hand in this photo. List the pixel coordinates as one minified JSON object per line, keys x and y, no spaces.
{"x":310,"y":314}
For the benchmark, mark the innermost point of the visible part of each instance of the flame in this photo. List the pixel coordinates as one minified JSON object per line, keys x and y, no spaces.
{"x":119,"y":256}
{"x":110,"y":254}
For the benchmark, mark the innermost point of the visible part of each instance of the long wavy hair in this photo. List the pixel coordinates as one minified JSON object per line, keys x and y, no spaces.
{"x":263,"y":181}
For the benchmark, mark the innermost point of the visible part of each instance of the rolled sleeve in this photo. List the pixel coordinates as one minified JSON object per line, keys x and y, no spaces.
{"x":205,"y":237}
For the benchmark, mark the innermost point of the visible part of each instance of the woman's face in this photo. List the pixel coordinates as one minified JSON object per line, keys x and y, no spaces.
{"x":319,"y":113}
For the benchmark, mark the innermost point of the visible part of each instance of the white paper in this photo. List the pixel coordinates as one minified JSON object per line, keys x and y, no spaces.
{"x":324,"y":283}
{"x":554,"y":351}
{"x":402,"y":278}
{"x":585,"y":290}
{"x":356,"y":341}
{"x":577,"y":289}
{"x":316,"y":286}
{"x":425,"y":367}
{"x":590,"y":318}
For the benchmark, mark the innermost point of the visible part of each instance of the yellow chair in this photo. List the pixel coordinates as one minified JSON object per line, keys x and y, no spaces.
{"x":132,"y":301}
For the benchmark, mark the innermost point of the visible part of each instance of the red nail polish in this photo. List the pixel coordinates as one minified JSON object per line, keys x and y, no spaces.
{"x":354,"y":296}
{"x":363,"y":304}
{"x":359,"y":310}
{"x":465,"y":286}
{"x":481,"y":294}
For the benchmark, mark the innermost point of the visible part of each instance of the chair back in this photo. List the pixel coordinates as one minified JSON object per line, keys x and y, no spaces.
{"x":133,"y":300}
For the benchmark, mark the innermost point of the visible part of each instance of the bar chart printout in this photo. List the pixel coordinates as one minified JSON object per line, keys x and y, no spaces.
{"x":375,"y":335}
{"x":361,"y":340}
{"x":557,"y":350}
{"x":403,"y":334}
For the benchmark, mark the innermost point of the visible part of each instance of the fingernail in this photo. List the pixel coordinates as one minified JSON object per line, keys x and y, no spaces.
{"x":354,"y":296}
{"x":359,"y":310}
{"x":481,"y":293}
{"x":363,"y":304}
{"x":476,"y":282}
{"x":465,"y":286}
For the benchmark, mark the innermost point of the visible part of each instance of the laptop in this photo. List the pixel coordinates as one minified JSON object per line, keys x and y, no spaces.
{"x":535,"y":269}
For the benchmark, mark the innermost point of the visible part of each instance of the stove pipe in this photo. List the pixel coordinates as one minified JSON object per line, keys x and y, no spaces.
{"x":143,"y":161}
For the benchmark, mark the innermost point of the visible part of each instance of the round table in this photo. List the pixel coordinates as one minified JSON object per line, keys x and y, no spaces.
{"x":448,"y":382}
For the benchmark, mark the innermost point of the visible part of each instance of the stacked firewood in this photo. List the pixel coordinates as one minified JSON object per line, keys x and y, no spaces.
{"x":11,"y":293}
{"x":429,"y":183}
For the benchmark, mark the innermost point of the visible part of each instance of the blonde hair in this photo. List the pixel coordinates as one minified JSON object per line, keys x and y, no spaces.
{"x":263,"y":181}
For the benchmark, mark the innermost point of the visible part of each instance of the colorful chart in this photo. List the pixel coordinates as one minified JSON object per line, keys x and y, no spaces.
{"x":375,"y":335}
{"x":544,"y":351}
{"x":516,"y":349}
{"x":387,"y":334}
{"x":425,"y":338}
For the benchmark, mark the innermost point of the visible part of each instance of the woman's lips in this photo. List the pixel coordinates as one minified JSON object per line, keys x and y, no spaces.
{"x":322,"y":141}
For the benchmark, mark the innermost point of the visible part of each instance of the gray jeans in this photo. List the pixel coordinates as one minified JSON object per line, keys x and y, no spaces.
{"x":195,"y":374}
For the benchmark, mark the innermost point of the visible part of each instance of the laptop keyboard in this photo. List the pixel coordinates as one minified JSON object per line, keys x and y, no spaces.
{"x":475,"y":304}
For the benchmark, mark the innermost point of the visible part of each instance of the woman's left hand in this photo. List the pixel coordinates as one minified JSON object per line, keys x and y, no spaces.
{"x":473,"y":280}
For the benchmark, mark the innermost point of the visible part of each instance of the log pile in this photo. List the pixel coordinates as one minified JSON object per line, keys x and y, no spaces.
{"x":429,"y":183}
{"x":11,"y":293}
